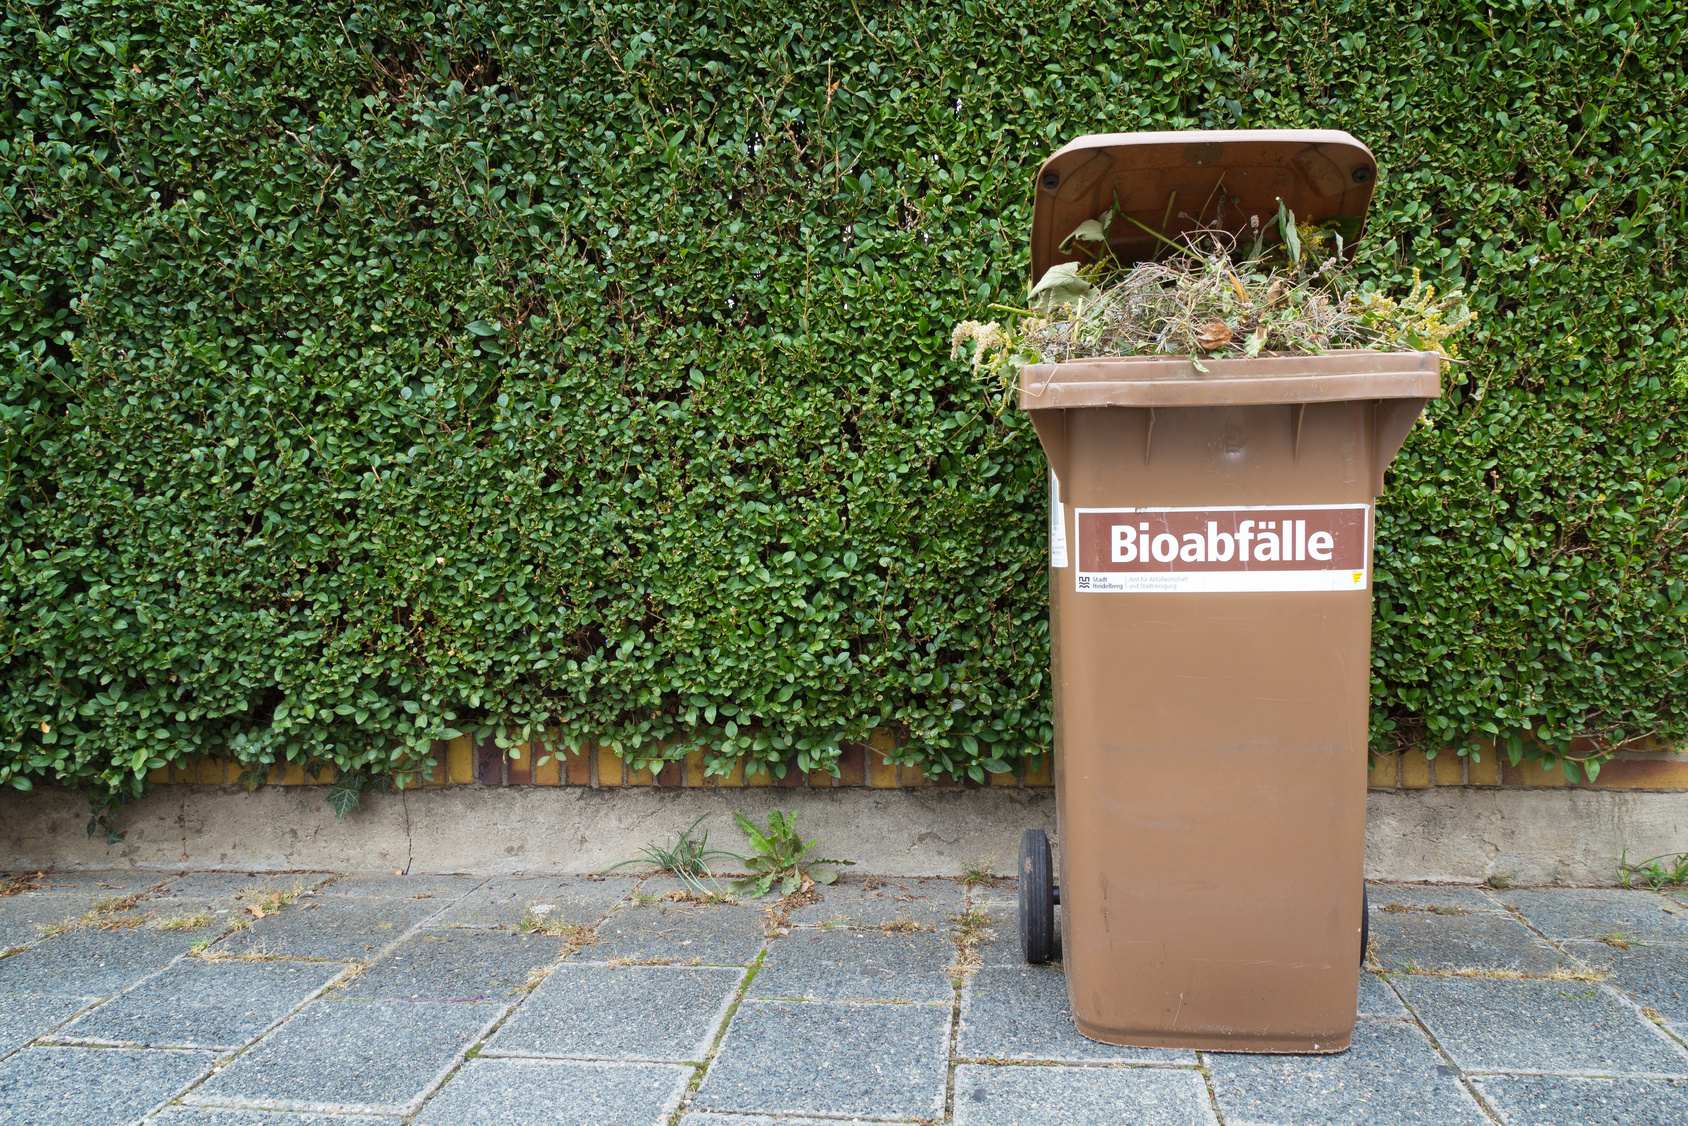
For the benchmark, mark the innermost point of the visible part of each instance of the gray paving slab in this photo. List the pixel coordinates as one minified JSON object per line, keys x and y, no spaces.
{"x":1570,"y":1027}
{"x":1377,"y":1000}
{"x":1391,"y":1076}
{"x":1021,"y":1013}
{"x":1428,"y":897}
{"x":201,"y":1004}
{"x":23,"y":1018}
{"x":1060,"y":1096}
{"x":227,"y":896}
{"x":93,"y":1086}
{"x":91,"y":963}
{"x":228,"y":1116}
{"x":819,"y":964}
{"x":1655,"y":976}
{"x":99,"y":883}
{"x":640,"y":1013}
{"x":218,"y":915}
{"x":999,"y":940}
{"x":864,"y":901}
{"x":25,"y":918}
{"x":709,"y":1118}
{"x":710,"y":936}
{"x":456,"y":965}
{"x":372,"y":1057}
{"x":1555,"y":1100}
{"x":447,"y":889}
{"x":504,"y":901}
{"x":558,"y":1093}
{"x":1592,"y":913}
{"x":888,"y":1061}
{"x":656,"y":889}
{"x":229,"y":885}
{"x":343,"y":928}
{"x":1419,"y":940}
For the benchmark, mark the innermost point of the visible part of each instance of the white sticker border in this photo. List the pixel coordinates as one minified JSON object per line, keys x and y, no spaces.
{"x":1057,"y":525}
{"x":1220,"y":582}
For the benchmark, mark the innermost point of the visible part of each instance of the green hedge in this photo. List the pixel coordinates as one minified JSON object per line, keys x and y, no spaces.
{"x":378,"y":373}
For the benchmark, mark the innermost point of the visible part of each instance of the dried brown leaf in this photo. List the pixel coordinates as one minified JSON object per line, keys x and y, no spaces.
{"x":1215,"y":334}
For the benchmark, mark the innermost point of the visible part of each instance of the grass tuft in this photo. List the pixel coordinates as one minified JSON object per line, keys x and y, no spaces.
{"x":971,"y":927}
{"x":184,"y":922}
{"x":18,"y":885}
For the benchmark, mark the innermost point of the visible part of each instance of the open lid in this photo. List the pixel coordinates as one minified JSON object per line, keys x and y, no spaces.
{"x":1177,"y":182}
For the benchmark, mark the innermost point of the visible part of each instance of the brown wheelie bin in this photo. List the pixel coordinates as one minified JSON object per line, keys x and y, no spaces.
{"x":1210,"y":627}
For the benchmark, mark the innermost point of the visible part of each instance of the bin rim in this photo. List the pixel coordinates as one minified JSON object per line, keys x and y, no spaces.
{"x":1320,"y":174}
{"x":1175,"y":381}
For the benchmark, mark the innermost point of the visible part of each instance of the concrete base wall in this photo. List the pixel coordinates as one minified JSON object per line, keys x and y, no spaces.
{"x":1558,"y":836}
{"x":1449,"y":834}
{"x":512,"y":829}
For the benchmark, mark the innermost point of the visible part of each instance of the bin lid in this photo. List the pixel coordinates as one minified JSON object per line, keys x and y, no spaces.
{"x":1176,"y":182}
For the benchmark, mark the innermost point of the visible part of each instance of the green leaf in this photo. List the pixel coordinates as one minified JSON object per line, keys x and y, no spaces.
{"x":1060,"y":285}
{"x":345,"y":794}
{"x":1091,"y":230}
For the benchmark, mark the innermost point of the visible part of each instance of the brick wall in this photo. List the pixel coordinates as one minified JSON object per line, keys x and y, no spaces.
{"x":462,"y":762}
{"x":1647,"y":767}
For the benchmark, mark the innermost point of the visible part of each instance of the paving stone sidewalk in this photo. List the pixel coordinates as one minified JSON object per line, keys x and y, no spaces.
{"x":312,"y":999}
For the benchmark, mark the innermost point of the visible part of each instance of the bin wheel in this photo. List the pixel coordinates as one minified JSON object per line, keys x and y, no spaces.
{"x":1037,"y":898}
{"x":1365,"y":923}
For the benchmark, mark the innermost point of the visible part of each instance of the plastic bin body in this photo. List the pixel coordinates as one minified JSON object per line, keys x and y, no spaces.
{"x":1211,"y":716}
{"x":1210,"y":741}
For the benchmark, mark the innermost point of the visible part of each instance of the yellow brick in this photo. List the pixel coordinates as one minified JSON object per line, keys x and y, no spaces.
{"x":610,"y":768}
{"x":460,"y":760}
{"x":1528,"y":773}
{"x":1383,"y":771}
{"x":759,"y":777}
{"x":212,"y":771}
{"x":820,"y":780}
{"x":881,"y":775}
{"x":1486,"y":772}
{"x":1006,"y":778}
{"x":292,"y":774}
{"x":1044,"y":774}
{"x":733,"y":778}
{"x":324,"y":776}
{"x":549,"y":772}
{"x":1415,"y":770}
{"x":641,"y":776}
{"x":184,"y":774}
{"x":162,"y":774}
{"x":693,"y":775}
{"x":1450,"y":770}
{"x":913,"y":775}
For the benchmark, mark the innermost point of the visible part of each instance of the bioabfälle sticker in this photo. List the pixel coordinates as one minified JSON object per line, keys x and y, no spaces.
{"x":1319,"y":547}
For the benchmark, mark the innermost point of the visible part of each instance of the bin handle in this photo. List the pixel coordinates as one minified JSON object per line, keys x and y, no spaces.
{"x":1051,"y":427}
{"x":1394,"y":420}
